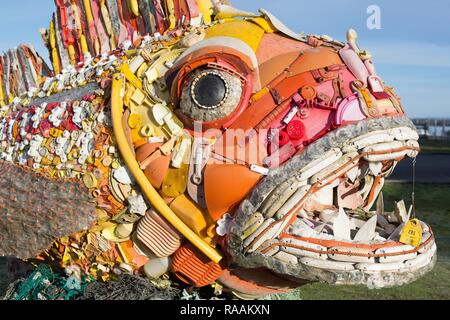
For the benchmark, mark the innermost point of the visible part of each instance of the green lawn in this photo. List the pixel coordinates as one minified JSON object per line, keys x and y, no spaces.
{"x":433,"y":206}
{"x":434,"y":146}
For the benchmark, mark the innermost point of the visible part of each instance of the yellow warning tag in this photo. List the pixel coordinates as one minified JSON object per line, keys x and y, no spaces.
{"x":412,"y":233}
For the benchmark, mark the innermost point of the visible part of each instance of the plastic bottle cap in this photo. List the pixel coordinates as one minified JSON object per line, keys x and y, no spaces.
{"x":89,"y":180}
{"x":308,"y":93}
{"x":295,"y":129}
{"x":107,"y":161}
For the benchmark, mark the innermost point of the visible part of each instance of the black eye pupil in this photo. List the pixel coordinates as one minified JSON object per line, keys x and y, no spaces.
{"x":209,"y":91}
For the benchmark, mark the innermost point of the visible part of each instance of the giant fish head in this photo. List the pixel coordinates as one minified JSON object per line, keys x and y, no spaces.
{"x":304,"y":134}
{"x":249,"y":154}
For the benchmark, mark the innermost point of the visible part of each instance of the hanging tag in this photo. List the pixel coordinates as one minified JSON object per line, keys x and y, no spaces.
{"x":412,"y":233}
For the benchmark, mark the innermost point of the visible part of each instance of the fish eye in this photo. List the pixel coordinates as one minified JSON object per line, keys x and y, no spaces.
{"x":209,"y":95}
{"x":209,"y":90}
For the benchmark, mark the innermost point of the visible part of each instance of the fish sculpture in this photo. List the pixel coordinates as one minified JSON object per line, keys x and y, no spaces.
{"x":192,"y":139}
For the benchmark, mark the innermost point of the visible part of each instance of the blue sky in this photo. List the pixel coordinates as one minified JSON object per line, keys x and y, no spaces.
{"x":411,"y":50}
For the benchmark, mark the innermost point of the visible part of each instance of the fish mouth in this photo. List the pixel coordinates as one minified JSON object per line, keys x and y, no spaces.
{"x":312,"y":218}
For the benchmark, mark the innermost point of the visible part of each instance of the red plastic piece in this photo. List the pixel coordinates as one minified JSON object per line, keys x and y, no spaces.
{"x":295,"y":129}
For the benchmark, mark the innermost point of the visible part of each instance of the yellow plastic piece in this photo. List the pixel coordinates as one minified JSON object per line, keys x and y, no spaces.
{"x":175,"y":182}
{"x":187,"y":211}
{"x":135,"y":121}
{"x":172,"y":19}
{"x":135,"y":81}
{"x":55,"y":56}
{"x":88,"y":9}
{"x":84,"y":45}
{"x":134,"y":7}
{"x":149,"y":191}
{"x":52,"y":36}
{"x":248,"y":32}
{"x":259,"y":94}
{"x":129,"y":92}
{"x":205,"y":7}
{"x":56,"y":133}
{"x":147,"y":120}
{"x":2,"y":95}
{"x":412,"y":233}
{"x":141,"y":70}
{"x":263,"y":23}
{"x":72,"y":55}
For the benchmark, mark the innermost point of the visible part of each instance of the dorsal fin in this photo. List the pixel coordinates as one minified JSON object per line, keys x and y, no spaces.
{"x":21,"y":70}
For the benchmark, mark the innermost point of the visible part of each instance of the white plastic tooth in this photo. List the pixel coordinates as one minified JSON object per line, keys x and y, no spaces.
{"x":367,"y":231}
{"x":250,"y":239}
{"x":400,"y":211}
{"x":351,"y":258}
{"x":405,"y":133}
{"x":395,"y":266}
{"x":319,"y":164}
{"x":327,"y":264}
{"x":304,"y":253}
{"x":341,"y":226}
{"x":399,"y":258}
{"x":272,"y":233}
{"x":278,"y":197}
{"x":286,"y":257}
{"x":387,"y":149}
{"x":367,"y":140}
{"x":425,"y":237}
{"x":337,"y":165}
{"x":378,"y":189}
{"x":422,"y":259}
{"x":301,"y":229}
{"x":413,"y":144}
{"x":272,"y":251}
{"x":368,"y":183}
{"x":293,"y":201}
{"x":375,"y":168}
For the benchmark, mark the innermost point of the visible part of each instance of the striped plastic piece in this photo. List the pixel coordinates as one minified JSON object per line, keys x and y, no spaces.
{"x":160,"y":237}
{"x":193,"y":268}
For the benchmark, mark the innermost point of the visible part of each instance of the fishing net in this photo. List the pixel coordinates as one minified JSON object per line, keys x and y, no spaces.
{"x":128,"y":287}
{"x":44,"y":284}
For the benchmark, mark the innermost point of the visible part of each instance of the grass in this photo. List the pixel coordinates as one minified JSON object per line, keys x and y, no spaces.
{"x":434,"y":146}
{"x":433,"y":206}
